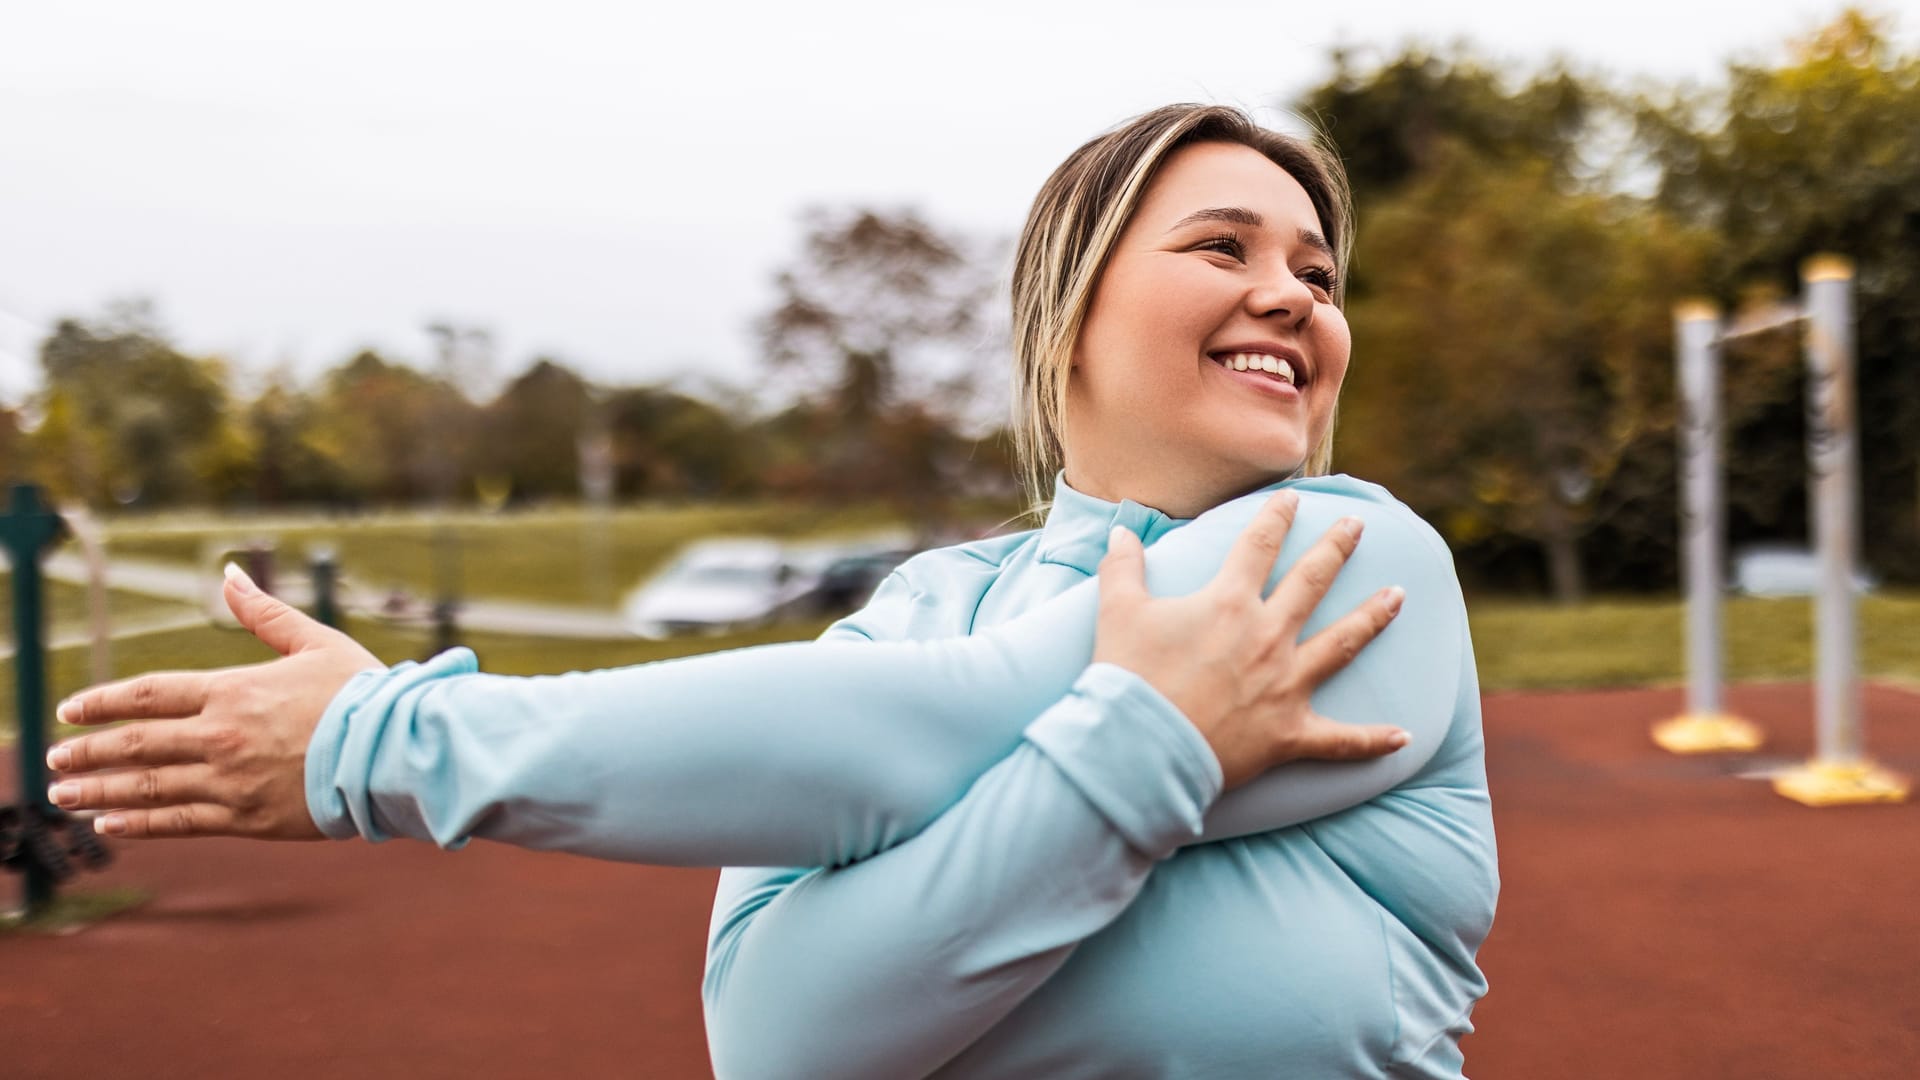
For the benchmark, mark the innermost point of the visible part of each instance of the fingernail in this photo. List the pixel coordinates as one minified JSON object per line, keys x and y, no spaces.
{"x":1394,"y":595}
{"x":111,"y":825}
{"x":1353,"y":525}
{"x":1113,"y":534}
{"x":1287,"y":499}
{"x":63,"y":794}
{"x":64,"y":712}
{"x":59,"y":758}
{"x":240,"y":579}
{"x":1399,"y":739}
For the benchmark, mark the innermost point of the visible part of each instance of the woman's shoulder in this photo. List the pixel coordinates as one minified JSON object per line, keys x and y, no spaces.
{"x":1323,"y":499}
{"x":988,"y":552}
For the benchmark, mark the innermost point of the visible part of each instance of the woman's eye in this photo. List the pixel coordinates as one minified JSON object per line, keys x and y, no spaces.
{"x":1320,"y":278}
{"x":1225,"y":245}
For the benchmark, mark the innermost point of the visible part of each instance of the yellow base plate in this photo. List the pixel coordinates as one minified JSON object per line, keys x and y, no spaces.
{"x":1707,"y":733}
{"x":1825,"y":783}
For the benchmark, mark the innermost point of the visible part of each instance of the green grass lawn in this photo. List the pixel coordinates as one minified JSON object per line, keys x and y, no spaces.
{"x":1641,"y":642}
{"x":66,"y":606}
{"x":561,"y":557}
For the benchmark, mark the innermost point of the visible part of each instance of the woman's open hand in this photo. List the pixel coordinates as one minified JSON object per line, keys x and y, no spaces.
{"x":1231,"y":660}
{"x":216,"y":753}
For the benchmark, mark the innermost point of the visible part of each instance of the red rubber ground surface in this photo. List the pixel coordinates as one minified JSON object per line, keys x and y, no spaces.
{"x":1659,"y":918}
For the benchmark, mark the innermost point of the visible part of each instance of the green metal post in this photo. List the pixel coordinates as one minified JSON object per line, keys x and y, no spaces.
{"x":27,"y":528}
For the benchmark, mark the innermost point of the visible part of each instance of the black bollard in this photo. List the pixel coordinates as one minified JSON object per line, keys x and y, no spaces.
{"x":326,"y":574}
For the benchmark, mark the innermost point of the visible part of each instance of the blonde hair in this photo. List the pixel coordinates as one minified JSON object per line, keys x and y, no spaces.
{"x":1079,"y":213}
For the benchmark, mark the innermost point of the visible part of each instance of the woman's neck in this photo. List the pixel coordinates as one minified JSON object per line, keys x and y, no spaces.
{"x":1177,"y":497}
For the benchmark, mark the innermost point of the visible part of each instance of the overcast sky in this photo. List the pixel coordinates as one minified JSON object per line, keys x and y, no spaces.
{"x":615,"y":184}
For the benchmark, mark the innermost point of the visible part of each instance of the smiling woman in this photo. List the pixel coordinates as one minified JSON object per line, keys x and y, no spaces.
{"x":1152,"y":412}
{"x":1017,"y":824}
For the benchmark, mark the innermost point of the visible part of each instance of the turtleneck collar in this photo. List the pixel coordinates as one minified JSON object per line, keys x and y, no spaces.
{"x":1077,"y":526}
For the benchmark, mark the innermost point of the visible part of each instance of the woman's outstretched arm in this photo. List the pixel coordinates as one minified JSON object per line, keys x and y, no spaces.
{"x":810,"y":754}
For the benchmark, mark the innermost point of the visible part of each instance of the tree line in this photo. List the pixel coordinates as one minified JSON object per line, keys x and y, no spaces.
{"x":1522,"y":239}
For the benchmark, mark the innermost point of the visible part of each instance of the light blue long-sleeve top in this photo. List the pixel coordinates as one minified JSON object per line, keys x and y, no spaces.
{"x":1010,"y":894}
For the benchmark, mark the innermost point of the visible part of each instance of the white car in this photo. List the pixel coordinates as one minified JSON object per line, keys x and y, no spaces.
{"x":715,"y":586}
{"x":1780,"y":570}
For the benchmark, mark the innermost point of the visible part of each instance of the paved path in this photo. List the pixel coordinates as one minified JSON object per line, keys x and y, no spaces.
{"x":1660,"y":919}
{"x":201,"y":588}
{"x":136,"y":626}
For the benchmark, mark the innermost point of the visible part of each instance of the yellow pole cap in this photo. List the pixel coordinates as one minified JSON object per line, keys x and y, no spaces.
{"x":1694,"y":308}
{"x":1827,"y":267}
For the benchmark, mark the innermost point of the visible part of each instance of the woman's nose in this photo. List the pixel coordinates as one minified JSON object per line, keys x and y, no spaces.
{"x":1280,"y":293}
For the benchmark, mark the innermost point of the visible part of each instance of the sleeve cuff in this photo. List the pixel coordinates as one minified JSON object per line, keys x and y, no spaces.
{"x":1133,"y":755}
{"x":342,"y":750}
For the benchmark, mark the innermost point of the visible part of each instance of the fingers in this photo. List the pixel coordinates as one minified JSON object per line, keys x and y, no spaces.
{"x":164,"y":695}
{"x":1334,"y":648}
{"x":132,"y":745}
{"x":194,"y":819}
{"x":1322,"y":739}
{"x":1123,"y":572}
{"x":1307,"y":582}
{"x":1250,"y":562}
{"x":171,"y":785}
{"x":284,"y":628}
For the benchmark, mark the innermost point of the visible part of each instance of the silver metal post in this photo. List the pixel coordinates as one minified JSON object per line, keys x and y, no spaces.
{"x":1834,"y":478}
{"x":1705,"y":726}
{"x":1696,"y":326}
{"x":1840,"y":773}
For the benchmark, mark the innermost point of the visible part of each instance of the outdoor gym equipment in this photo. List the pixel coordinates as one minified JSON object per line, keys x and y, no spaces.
{"x":1840,"y":771}
{"x":36,"y":839}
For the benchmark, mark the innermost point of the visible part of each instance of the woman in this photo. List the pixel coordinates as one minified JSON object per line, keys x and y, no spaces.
{"x":1016,"y":886}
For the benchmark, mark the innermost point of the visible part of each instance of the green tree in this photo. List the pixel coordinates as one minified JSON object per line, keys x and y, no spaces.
{"x":533,"y":430}
{"x":667,"y":443}
{"x":869,"y":292}
{"x":292,"y":464}
{"x":133,"y":419}
{"x":395,"y":434}
{"x":1396,"y":122}
{"x":1512,"y":352}
{"x":13,"y":457}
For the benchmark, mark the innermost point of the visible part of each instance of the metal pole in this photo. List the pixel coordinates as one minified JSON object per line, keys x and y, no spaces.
{"x":99,"y":614}
{"x":1833,"y":475}
{"x":1840,"y":773}
{"x":1704,"y":726}
{"x":1696,"y":326}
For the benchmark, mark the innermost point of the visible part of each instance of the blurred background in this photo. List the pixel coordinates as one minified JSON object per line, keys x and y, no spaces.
{"x":589,"y":334}
{"x":463,"y":259}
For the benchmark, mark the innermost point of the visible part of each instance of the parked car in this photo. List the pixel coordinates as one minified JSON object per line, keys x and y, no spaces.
{"x":715,"y":586}
{"x":848,"y":581}
{"x":1783,"y":570}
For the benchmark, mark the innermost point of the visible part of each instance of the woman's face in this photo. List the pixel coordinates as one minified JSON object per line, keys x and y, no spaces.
{"x":1222,"y":265}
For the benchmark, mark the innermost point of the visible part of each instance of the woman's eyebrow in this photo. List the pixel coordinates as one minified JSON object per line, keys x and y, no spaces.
{"x":1240,"y":215}
{"x":1237,"y":215}
{"x":1317,"y":242}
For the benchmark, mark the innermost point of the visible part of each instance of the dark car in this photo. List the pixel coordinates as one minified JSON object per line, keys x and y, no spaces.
{"x":848,"y":581}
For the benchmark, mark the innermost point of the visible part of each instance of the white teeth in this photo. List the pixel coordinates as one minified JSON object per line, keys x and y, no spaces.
{"x":1272,"y":365}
